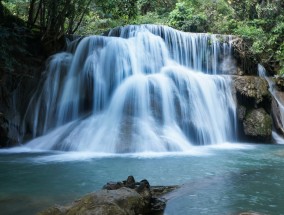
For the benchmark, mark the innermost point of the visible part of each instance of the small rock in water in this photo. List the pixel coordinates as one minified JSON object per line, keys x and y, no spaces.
{"x":144,"y":184}
{"x":113,"y":185}
{"x":130,"y":182}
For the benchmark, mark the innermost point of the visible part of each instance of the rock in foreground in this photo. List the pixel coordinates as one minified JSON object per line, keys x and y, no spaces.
{"x":119,"y":198}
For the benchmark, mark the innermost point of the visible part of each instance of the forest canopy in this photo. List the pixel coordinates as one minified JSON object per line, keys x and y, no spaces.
{"x":259,"y":22}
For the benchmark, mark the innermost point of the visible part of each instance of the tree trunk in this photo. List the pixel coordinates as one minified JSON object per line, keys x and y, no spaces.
{"x":31,"y":13}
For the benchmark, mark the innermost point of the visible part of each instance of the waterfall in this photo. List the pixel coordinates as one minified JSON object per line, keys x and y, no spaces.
{"x":262,"y":73}
{"x":138,"y":89}
{"x":279,"y":103}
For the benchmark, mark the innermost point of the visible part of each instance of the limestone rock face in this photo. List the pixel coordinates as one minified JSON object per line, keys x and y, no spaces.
{"x":257,"y":123}
{"x":253,"y":107}
{"x":251,"y":89}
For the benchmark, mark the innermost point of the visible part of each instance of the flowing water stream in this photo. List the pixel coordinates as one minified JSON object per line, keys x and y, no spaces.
{"x":275,"y":94}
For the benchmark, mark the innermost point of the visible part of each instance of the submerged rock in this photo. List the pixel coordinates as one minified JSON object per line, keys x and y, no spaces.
{"x":117,"y":198}
{"x":258,"y":124}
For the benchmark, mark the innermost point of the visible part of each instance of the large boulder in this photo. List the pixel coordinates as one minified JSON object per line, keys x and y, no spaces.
{"x":253,"y":107}
{"x":251,"y":90}
{"x":258,"y":124}
{"x":120,"y":198}
{"x":104,"y":202}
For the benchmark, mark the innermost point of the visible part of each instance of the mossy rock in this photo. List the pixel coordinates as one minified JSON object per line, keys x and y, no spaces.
{"x":123,"y":201}
{"x":279,"y":81}
{"x":251,"y":89}
{"x":120,"y":198}
{"x":258,"y":124}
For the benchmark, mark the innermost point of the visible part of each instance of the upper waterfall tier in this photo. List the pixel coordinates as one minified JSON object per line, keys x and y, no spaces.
{"x":141,"y":88}
{"x":202,"y":52}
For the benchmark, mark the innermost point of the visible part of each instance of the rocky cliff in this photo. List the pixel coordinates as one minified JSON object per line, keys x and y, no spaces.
{"x":253,"y":108}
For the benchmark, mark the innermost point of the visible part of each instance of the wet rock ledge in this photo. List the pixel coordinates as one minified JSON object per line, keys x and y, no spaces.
{"x":253,"y":108}
{"x":120,"y":198}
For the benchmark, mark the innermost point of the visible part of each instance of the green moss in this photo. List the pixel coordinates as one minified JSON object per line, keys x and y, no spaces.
{"x":258,"y":123}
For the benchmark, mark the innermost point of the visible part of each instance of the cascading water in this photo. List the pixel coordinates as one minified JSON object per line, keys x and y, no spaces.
{"x":139,"y":89}
{"x":279,"y":102}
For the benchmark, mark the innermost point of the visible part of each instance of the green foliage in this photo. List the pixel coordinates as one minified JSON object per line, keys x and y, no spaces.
{"x":111,"y":13}
{"x":202,"y":16}
{"x":160,"y":7}
{"x":185,"y":18}
{"x":115,"y":9}
{"x":280,"y":58}
{"x":260,"y":22}
{"x":151,"y":18}
{"x":17,"y":8}
{"x":248,"y":31}
{"x":93,"y":24}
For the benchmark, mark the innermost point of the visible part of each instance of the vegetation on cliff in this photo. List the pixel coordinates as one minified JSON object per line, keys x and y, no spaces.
{"x":259,"y":22}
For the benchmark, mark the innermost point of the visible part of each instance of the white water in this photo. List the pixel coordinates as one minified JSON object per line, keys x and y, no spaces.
{"x":262,"y":73}
{"x":152,"y":89}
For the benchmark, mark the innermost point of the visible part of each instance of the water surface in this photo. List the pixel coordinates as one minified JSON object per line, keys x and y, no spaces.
{"x":223,"y":179}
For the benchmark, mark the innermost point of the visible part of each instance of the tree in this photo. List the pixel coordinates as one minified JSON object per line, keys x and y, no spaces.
{"x":57,"y":17}
{"x":159,"y":6}
{"x":115,"y":9}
